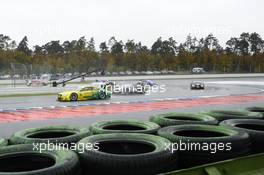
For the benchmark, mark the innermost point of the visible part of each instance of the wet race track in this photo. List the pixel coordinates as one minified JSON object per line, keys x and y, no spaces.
{"x":45,"y":110}
{"x":173,"y":89}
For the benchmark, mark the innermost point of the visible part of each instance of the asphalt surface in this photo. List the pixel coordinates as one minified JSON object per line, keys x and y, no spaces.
{"x":7,"y":129}
{"x":171,"y":89}
{"x":174,"y":89}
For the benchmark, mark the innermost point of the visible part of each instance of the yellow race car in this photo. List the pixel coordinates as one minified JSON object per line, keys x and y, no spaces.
{"x":91,"y":92}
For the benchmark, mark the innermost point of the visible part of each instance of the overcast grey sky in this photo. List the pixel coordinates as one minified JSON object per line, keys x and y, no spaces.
{"x":142,"y":20}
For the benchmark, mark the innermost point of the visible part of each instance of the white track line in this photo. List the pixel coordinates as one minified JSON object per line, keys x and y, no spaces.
{"x":237,"y":82}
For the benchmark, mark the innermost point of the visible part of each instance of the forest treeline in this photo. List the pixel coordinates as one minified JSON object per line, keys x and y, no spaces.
{"x":244,"y":53}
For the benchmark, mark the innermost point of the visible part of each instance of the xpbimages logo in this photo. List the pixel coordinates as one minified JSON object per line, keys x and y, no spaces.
{"x":198,"y":146}
{"x":137,"y":88}
{"x":80,"y":147}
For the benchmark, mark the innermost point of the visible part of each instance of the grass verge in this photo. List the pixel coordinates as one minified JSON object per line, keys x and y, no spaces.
{"x":27,"y":95}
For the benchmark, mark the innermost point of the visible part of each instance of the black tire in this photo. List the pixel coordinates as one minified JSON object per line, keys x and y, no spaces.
{"x":259,"y":109}
{"x":24,"y":160}
{"x":175,"y":118}
{"x":3,"y":142}
{"x":255,"y":129}
{"x":129,"y":153}
{"x":102,"y":95}
{"x":221,"y":115}
{"x":124,"y":126}
{"x":74,"y":97}
{"x":210,"y":135}
{"x":51,"y":134}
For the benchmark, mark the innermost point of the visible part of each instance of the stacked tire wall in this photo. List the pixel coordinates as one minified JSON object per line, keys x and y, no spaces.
{"x":133,"y":146}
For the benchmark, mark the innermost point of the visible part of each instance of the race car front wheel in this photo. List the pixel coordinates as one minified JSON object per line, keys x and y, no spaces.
{"x":102,"y":95}
{"x":74,"y":97}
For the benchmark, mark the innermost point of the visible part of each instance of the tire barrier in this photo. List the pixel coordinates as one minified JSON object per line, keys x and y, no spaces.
{"x":221,"y":115}
{"x":3,"y":142}
{"x":127,"y":146}
{"x":255,"y":129}
{"x":127,"y":153}
{"x":201,"y":144}
{"x":124,"y":126}
{"x":259,"y":109}
{"x":51,"y":134}
{"x":175,"y":118}
{"x":24,"y":160}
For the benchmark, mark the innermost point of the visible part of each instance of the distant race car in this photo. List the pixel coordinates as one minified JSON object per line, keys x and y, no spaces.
{"x":43,"y":80}
{"x":149,"y":82}
{"x":90,"y":92}
{"x":196,"y":85}
{"x":197,"y":70}
{"x":105,"y":81}
{"x":129,"y":89}
{"x":36,"y":83}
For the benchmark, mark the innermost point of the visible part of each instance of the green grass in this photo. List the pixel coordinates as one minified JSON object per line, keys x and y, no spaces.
{"x":6,"y":84}
{"x":9,"y":84}
{"x":85,"y":82}
{"x":36,"y":94}
{"x":28,"y":95}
